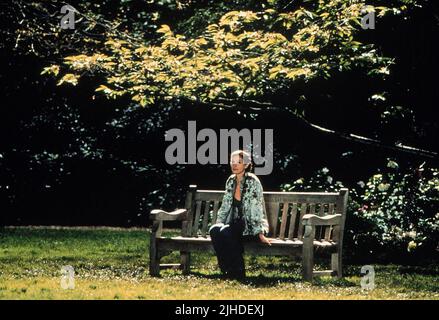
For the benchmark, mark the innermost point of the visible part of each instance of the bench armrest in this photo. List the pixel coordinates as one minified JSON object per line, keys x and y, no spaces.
{"x":160,"y":215}
{"x":315,"y":220}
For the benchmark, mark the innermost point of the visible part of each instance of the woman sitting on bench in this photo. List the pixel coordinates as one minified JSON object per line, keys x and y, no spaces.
{"x":241,"y":217}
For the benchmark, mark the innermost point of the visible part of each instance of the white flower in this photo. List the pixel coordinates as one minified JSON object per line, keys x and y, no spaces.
{"x":392,"y":164}
{"x":361,"y":184}
{"x":412,"y":234}
{"x":383,"y":186}
{"x":411,"y":246}
{"x":377,"y":177}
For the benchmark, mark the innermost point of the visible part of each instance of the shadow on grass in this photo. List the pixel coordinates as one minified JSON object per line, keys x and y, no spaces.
{"x":262,"y":281}
{"x":253,"y":280}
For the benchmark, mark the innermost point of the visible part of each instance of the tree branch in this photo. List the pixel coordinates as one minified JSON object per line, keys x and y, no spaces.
{"x":257,"y":106}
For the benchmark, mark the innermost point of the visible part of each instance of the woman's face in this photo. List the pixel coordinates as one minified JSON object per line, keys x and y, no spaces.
{"x":237,"y":164}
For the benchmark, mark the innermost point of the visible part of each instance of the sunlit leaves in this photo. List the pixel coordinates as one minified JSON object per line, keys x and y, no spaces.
{"x":143,"y":100}
{"x":235,"y":20}
{"x":82,"y":61}
{"x":69,"y":78}
{"x":53,"y":69}
{"x":104,"y":88}
{"x":297,"y":72}
{"x":244,"y":55}
{"x":165,"y":30}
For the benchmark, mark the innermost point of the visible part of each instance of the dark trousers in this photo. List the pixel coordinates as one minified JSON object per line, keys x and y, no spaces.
{"x":229,"y":250}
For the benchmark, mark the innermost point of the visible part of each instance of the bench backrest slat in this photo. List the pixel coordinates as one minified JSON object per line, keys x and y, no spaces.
{"x":216,"y":206}
{"x":209,"y":195}
{"x":206,"y":215}
{"x":284,"y":219}
{"x":303,"y":209}
{"x":196,"y":222}
{"x":293,"y":218}
{"x":285,"y":211}
{"x":273,"y":208}
{"x":328,"y":231}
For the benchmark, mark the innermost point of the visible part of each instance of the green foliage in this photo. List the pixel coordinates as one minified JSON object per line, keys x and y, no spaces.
{"x":322,"y":180}
{"x":395,"y":212}
{"x":403,"y":206}
{"x":245,"y":55}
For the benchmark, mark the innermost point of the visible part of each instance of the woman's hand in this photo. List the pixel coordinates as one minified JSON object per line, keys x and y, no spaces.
{"x":264,"y":239}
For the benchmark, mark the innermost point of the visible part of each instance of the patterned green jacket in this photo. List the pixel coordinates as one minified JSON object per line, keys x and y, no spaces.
{"x":252,"y":204}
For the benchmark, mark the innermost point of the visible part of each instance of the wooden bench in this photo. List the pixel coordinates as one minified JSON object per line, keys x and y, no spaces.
{"x":300,"y":224}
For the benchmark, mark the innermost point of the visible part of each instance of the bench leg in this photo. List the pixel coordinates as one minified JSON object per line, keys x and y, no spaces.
{"x":308,"y":253}
{"x":185,"y":258}
{"x":308,"y":264}
{"x":336,"y":264}
{"x":154,"y":266}
{"x":154,"y":258}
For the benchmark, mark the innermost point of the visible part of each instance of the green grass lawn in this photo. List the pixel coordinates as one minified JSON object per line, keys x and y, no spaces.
{"x":113,"y":264}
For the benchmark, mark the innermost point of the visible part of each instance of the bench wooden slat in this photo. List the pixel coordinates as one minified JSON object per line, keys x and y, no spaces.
{"x":272,"y":196}
{"x":196,"y":222}
{"x":205,"y":219}
{"x":293,"y":218}
{"x":322,"y":209}
{"x":209,"y":195}
{"x":283,"y":225}
{"x":257,"y":250}
{"x":312,"y":210}
{"x":324,"y":273}
{"x":186,"y":227}
{"x":321,"y":213}
{"x":328,"y":230}
{"x":215,"y":211}
{"x":253,"y":249}
{"x":278,"y":247}
{"x":299,"y":197}
{"x":274,"y":242}
{"x":328,"y":233}
{"x":331,"y":209}
{"x":272,"y":215}
{"x":315,"y":220}
{"x":303,"y":209}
